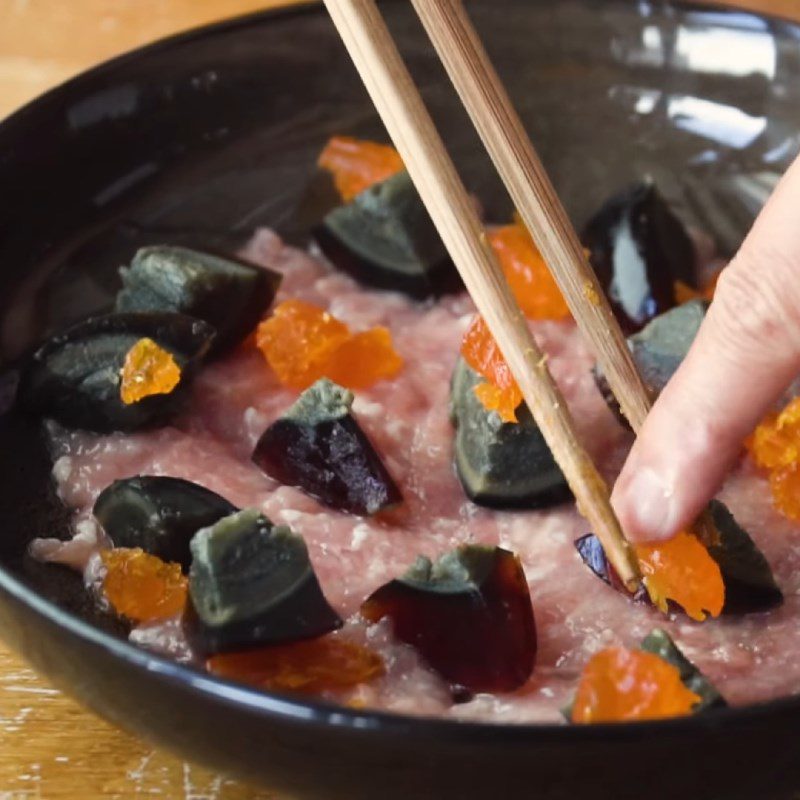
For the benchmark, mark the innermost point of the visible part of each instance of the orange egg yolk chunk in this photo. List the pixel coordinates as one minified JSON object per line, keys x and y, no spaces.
{"x":357,"y":164}
{"x":141,"y":587}
{"x":527,"y":274}
{"x":303,"y":343}
{"x":148,"y":369}
{"x":775,"y":446}
{"x":620,"y":685}
{"x":316,"y":665}
{"x":682,"y":570}
{"x":500,"y":391}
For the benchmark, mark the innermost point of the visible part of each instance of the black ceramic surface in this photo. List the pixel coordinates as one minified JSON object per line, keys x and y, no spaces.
{"x":200,"y":139}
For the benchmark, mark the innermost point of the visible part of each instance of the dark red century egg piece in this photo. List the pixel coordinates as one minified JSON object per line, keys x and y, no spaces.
{"x":469,"y":615}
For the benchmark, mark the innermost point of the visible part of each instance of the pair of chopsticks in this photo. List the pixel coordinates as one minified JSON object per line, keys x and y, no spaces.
{"x":405,"y":117}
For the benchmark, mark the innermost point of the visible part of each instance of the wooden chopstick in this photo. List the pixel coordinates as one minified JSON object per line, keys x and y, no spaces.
{"x":487,"y":102}
{"x":403,"y":112}
{"x":504,"y":136}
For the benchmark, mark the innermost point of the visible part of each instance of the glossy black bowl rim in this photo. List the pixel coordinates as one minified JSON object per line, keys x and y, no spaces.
{"x":299,"y":710}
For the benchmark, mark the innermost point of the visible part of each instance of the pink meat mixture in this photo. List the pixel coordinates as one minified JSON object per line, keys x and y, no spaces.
{"x":233,"y":401}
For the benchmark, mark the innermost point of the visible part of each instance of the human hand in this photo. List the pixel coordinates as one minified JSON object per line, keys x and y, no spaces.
{"x":745,"y":355}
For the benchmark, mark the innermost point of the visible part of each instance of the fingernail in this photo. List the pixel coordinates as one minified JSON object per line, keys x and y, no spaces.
{"x":646,"y":506}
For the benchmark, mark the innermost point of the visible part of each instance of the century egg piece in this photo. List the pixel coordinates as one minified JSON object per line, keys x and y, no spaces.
{"x":357,"y":164}
{"x":501,"y":464}
{"x":347,"y":166}
{"x":158,"y":514}
{"x":469,"y":615}
{"x":654,"y":682}
{"x":639,"y":250}
{"x":385,"y":238}
{"x":659,"y":348}
{"x":659,"y":643}
{"x":76,"y":377}
{"x":318,"y":446}
{"x":229,"y":294}
{"x":679,"y":570}
{"x":594,"y":556}
{"x":748,"y":583}
{"x":250,"y":584}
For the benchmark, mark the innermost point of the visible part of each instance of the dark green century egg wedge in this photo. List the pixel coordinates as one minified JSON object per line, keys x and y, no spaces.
{"x":159,"y":514}
{"x":318,"y":446}
{"x":659,"y":348}
{"x":229,"y":294}
{"x":385,"y":238}
{"x":638,"y":249}
{"x":659,"y":643}
{"x":501,"y":465}
{"x":469,"y":615}
{"x":74,"y":377}
{"x":749,"y":583}
{"x":750,"y":586}
{"x":250,"y":584}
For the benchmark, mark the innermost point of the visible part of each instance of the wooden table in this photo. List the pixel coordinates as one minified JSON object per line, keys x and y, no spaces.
{"x":49,"y":747}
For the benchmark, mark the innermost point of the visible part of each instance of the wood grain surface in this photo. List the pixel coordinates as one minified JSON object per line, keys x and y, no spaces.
{"x":49,"y":746}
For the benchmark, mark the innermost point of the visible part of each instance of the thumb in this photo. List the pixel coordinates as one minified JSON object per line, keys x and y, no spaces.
{"x":745,"y":355}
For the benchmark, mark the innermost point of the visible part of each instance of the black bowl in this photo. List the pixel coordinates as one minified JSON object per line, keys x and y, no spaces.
{"x":203,"y":137}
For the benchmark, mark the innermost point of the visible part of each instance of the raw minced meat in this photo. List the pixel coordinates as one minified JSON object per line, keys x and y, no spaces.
{"x":233,"y":400}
